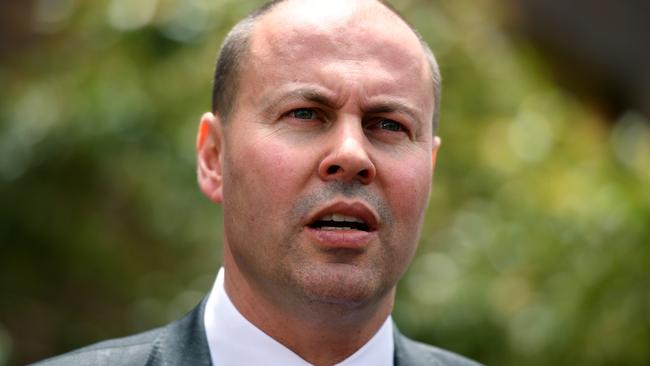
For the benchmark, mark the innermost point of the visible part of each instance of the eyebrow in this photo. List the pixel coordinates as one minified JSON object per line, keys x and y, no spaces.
{"x":317,"y":96}
{"x":310,"y":94}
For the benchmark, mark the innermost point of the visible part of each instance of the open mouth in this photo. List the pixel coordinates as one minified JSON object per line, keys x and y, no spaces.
{"x":339,"y":222}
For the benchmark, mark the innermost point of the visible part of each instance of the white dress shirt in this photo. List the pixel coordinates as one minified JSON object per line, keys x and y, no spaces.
{"x":233,"y":340}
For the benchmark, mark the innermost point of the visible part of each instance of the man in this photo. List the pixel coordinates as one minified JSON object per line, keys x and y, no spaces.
{"x":321,"y":149}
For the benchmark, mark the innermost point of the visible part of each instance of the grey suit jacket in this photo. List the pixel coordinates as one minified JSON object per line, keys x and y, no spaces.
{"x":184,"y":342}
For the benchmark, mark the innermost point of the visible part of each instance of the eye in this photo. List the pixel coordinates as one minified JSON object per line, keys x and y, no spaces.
{"x":390,"y":125}
{"x":303,"y":113}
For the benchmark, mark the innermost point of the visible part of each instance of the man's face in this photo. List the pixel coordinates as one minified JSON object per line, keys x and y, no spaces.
{"x":327,"y":158}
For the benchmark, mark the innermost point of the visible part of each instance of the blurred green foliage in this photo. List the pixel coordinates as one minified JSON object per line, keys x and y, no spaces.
{"x":536,"y":248}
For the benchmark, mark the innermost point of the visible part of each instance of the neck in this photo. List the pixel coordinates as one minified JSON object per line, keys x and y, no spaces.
{"x":320,"y":333}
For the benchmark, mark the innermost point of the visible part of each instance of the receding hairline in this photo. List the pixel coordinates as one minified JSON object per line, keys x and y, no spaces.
{"x":237,"y":46}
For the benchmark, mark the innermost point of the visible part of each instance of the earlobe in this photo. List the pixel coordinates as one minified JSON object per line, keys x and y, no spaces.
{"x":434,"y":151}
{"x":209,"y":154}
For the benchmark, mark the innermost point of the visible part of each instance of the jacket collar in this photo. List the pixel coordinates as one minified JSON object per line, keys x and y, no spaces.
{"x":182,"y":342}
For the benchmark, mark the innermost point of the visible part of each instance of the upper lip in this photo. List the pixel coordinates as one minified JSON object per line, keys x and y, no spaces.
{"x":355,"y":209}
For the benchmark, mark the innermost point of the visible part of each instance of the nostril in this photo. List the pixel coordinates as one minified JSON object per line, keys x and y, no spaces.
{"x":364,"y":173}
{"x":333,"y":169}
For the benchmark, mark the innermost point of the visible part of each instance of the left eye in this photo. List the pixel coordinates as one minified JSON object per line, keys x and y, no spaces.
{"x":303,"y":113}
{"x":390,"y":125}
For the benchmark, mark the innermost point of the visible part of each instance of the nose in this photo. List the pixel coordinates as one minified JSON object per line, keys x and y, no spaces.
{"x":347,"y":160}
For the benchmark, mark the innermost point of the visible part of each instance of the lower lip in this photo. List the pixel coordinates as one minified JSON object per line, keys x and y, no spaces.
{"x":342,"y":239}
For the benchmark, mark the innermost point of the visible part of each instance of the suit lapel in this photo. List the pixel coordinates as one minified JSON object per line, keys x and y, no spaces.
{"x":182,"y":342}
{"x":408,"y":354}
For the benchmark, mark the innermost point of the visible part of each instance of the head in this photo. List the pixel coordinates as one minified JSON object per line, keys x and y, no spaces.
{"x":321,"y":150}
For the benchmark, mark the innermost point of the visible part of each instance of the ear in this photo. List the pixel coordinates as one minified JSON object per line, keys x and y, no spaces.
{"x":209,"y":154}
{"x":434,"y":152}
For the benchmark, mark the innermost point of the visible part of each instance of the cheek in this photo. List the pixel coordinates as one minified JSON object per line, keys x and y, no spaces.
{"x":268,"y":173}
{"x":409,"y":186}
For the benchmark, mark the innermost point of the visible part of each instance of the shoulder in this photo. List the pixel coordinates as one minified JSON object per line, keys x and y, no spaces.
{"x":131,"y":350}
{"x":412,"y":353}
{"x":182,"y":342}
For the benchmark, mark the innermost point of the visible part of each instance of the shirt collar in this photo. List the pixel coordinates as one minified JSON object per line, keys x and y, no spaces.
{"x":233,"y":340}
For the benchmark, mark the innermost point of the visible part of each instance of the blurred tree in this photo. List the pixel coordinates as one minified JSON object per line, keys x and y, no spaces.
{"x":597,"y":49}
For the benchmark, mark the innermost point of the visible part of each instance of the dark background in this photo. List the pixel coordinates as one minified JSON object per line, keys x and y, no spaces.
{"x":536,"y":247}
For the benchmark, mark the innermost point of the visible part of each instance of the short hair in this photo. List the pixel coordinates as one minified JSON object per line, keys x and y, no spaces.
{"x":235,"y":49}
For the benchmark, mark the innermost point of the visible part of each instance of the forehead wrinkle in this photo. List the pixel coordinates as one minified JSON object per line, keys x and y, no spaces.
{"x":391,"y":64}
{"x":314,"y":94}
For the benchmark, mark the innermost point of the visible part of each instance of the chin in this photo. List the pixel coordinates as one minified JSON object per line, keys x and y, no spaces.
{"x":342,"y":285}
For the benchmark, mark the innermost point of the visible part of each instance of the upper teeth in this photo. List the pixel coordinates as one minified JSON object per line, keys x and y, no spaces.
{"x":341,"y":218}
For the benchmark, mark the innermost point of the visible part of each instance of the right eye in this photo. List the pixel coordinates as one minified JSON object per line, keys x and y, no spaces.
{"x":303,"y":113}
